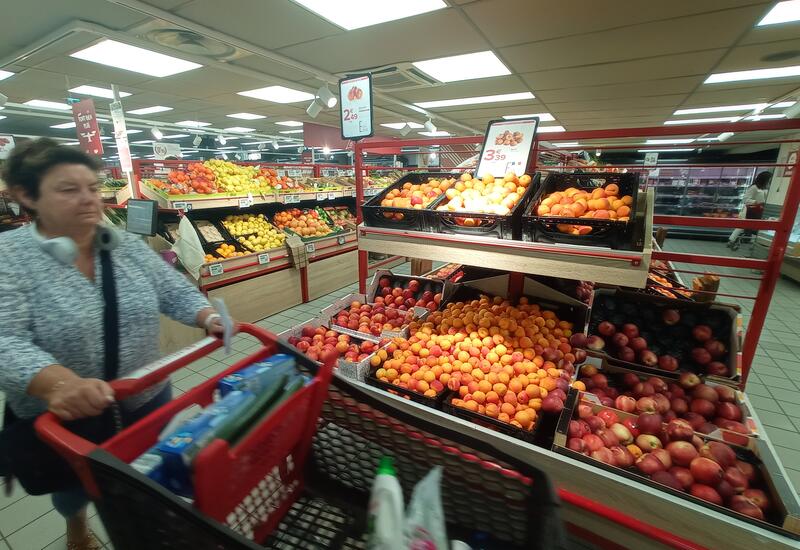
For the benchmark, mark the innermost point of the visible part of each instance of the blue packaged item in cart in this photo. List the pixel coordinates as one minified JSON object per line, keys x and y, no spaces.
{"x":179,"y":448}
{"x":258,"y":376}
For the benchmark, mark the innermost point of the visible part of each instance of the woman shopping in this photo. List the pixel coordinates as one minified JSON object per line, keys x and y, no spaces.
{"x":81,"y":306}
{"x":754,"y":200}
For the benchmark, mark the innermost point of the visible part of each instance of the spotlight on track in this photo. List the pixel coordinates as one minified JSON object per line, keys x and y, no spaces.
{"x":197,"y":140}
{"x":326,"y":97}
{"x":314,"y":109}
{"x":430,"y":126}
{"x":157,"y":133}
{"x":405,"y":130}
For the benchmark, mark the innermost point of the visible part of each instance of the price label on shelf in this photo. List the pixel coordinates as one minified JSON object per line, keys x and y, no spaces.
{"x":310,"y":248}
{"x":340,"y":239}
{"x":322,"y":196}
{"x":179,"y":205}
{"x":246,"y":202}
{"x":216,"y":269}
{"x":349,"y":193}
{"x":263,"y":258}
{"x":291,"y":199}
{"x":507,"y":146}
{"x":329,"y":172}
{"x":331,"y":196}
{"x":371,"y":191}
{"x":294,"y":173}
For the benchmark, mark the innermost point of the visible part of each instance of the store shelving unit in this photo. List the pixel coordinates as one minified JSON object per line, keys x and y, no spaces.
{"x":582,"y":483}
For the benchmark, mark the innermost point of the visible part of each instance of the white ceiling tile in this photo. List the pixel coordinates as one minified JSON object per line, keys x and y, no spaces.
{"x":753,"y":56}
{"x":665,"y":86}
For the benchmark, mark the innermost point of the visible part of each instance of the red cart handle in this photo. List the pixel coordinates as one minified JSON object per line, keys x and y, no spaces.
{"x":73,"y":447}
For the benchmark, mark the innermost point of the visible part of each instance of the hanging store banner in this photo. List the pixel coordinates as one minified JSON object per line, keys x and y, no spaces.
{"x":507,"y":147}
{"x":355,"y":99}
{"x":121,"y":136}
{"x":86,"y":127}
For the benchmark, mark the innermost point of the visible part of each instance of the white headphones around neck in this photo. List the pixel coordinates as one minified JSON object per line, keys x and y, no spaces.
{"x":65,"y":250}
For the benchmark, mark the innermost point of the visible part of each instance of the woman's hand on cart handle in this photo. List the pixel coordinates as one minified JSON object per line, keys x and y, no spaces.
{"x":69,"y":396}
{"x":211,"y":321}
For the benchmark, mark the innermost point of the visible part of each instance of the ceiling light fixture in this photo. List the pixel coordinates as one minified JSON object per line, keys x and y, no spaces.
{"x":221,"y":139}
{"x":275,"y":144}
{"x":565,"y":143}
{"x":405,"y":130}
{"x":289,"y":123}
{"x":755,"y":74}
{"x":781,"y":105}
{"x":782,"y":12}
{"x":150,"y":110}
{"x":701,"y":120}
{"x":290,"y":131}
{"x":278,"y":94}
{"x":5,"y":74}
{"x":437,"y":133}
{"x":129,"y":132}
{"x":246,"y":116}
{"x":225,"y":156}
{"x":44,"y":104}
{"x":314,"y":109}
{"x":157,"y":133}
{"x":680,"y":141}
{"x":430,"y":126}
{"x":543,"y":117}
{"x":197,"y":140}
{"x":176,"y":136}
{"x":401,"y":125}
{"x":63,"y":126}
{"x":475,"y":100}
{"x":96,"y":91}
{"x":132,"y":58}
{"x":326,"y":150}
{"x":192,"y":123}
{"x":463,"y":67}
{"x":326,"y":97}
{"x":239,"y":129}
{"x":548,"y":129}
{"x":371,"y":12}
{"x":721,"y":109}
{"x":673,"y":150}
{"x":764,"y":117}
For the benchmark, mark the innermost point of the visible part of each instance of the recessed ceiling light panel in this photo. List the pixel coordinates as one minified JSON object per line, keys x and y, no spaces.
{"x":543,"y":117}
{"x":755,"y":74}
{"x":63,"y":126}
{"x":193,"y":123}
{"x":150,"y":110}
{"x":290,"y":132}
{"x":783,"y":12}
{"x":246,"y":116}
{"x":5,"y":74}
{"x":239,"y":129}
{"x":399,"y":125}
{"x":97,"y":91}
{"x":549,"y":129}
{"x":702,"y":120}
{"x":132,"y":58}
{"x":289,"y":123}
{"x":48,"y":104}
{"x":463,"y":67}
{"x":278,"y":94}
{"x":364,"y":13}
{"x":437,"y":133}
{"x":475,"y":100}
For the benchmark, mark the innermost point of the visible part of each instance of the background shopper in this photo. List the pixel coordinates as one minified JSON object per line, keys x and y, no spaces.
{"x":754,"y":200}
{"x":52,"y":326}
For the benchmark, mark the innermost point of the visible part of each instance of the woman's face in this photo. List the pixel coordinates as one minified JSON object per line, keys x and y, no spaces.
{"x":69,"y":199}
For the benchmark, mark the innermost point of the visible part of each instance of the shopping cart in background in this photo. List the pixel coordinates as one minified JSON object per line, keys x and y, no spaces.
{"x":301,"y":479}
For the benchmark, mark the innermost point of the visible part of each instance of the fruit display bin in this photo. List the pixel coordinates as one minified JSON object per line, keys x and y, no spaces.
{"x":615,"y":376}
{"x":606,"y":233}
{"x":429,"y":285}
{"x":660,"y":283}
{"x":331,"y":311}
{"x":783,"y":515}
{"x":486,"y":225}
{"x":621,"y":307}
{"x":356,"y":370}
{"x":375,"y":215}
{"x":324,"y":217}
{"x":405,"y":393}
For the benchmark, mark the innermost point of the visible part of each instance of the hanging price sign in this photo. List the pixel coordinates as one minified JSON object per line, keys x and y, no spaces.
{"x":507,"y":147}
{"x":355,"y":99}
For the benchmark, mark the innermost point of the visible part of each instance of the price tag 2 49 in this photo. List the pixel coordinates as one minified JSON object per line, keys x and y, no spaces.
{"x":263,"y":258}
{"x":216,"y":269}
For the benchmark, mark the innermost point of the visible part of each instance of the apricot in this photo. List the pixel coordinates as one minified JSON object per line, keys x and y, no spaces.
{"x":623,"y":211}
{"x":627,"y":200}
{"x":598,"y":193}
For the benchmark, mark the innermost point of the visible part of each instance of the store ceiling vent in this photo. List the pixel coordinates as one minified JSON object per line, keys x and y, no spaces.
{"x":403,"y":76}
{"x":185,"y":41}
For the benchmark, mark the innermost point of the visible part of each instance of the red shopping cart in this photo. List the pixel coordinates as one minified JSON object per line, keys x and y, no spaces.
{"x":302,"y":479}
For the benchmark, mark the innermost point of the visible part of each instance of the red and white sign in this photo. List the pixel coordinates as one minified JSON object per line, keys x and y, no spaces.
{"x":507,"y":147}
{"x":86,"y":127}
{"x":355,"y":96}
{"x":6,"y":145}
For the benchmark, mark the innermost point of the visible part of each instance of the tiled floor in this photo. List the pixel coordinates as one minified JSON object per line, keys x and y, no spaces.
{"x":30,"y":523}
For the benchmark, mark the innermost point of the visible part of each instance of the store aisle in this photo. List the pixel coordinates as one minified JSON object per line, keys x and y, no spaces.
{"x":30,"y":523}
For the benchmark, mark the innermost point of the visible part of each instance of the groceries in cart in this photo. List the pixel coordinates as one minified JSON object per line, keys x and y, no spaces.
{"x":245,"y":399}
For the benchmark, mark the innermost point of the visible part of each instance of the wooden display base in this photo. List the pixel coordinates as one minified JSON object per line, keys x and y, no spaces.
{"x":685,"y":519}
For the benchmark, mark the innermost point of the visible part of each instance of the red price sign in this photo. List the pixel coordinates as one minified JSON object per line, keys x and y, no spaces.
{"x":492,"y":154}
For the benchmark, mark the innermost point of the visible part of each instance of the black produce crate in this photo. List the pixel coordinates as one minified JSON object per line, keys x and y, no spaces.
{"x":432,"y":402}
{"x":486,"y":225}
{"x":212,"y":248}
{"x":414,"y":219}
{"x":607,"y":233}
{"x":214,"y":220}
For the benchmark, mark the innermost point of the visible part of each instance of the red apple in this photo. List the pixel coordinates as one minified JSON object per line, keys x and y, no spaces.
{"x":715,"y":348}
{"x":578,"y":340}
{"x":608,"y":416}
{"x":630,"y":330}
{"x":630,"y":379}
{"x":646,"y":405}
{"x":696,"y":420}
{"x":625,"y":403}
{"x":603,"y":454}
{"x":736,"y":478}
{"x":649,"y":422}
{"x":682,"y":452}
{"x":729,"y":411}
{"x":648,"y":358}
{"x":747,"y":469}
{"x":719,"y":452}
{"x":576,"y":444}
{"x":666,"y":478}
{"x":683,"y":475}
{"x":676,"y":390}
{"x":619,"y":340}
{"x":585,"y":411}
{"x":758,"y":496}
{"x":649,"y":464}
{"x":703,"y":407}
{"x":670,"y":316}
{"x":606,"y":328}
{"x":701,"y":356}
{"x":644,"y":389}
{"x":746,"y":506}
{"x":595,"y":423}
{"x":578,"y":428}
{"x":679,"y":406}
{"x":688,"y":380}
{"x":622,"y":457}
{"x":662,"y":403}
{"x":717,"y":368}
{"x":679,"y":430}
{"x":623,"y":434}
{"x":595,"y":343}
{"x":706,"y":493}
{"x":668,"y":362}
{"x":702,"y":333}
{"x":626,"y":354}
{"x":664,"y":456}
{"x":705,"y":470}
{"x":609,"y":437}
{"x":592,"y":442}
{"x":726,"y":394}
{"x":647,"y":442}
{"x":630,"y":423}
{"x":638,"y":344}
{"x":704,"y":391}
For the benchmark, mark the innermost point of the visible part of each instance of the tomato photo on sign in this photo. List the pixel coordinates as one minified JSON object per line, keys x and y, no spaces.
{"x":359,"y":93}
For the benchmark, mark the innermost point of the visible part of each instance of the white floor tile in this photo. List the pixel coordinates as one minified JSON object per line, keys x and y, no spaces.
{"x":39,"y":533}
{"x":21,"y":513}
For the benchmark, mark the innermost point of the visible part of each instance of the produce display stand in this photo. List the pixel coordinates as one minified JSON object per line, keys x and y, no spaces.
{"x":260,"y":284}
{"x":676,"y":522}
